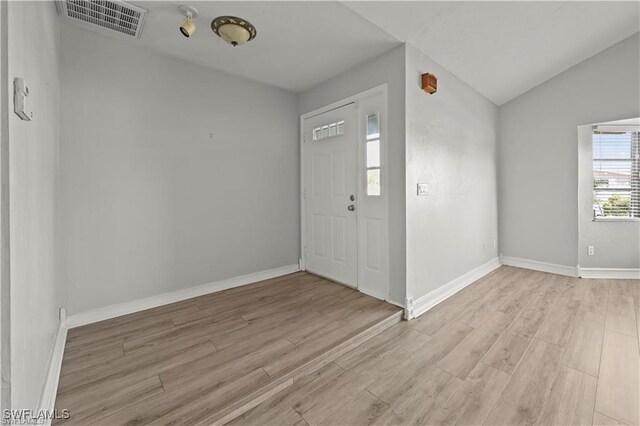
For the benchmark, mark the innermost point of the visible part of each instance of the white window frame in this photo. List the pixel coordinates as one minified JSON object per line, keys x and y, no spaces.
{"x":635,"y":170}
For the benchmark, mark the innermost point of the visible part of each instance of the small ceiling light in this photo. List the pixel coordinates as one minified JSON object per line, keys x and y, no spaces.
{"x":233,"y":30}
{"x":188,"y":27}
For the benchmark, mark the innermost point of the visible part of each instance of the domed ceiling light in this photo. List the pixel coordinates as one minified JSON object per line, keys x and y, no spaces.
{"x":188,"y":27}
{"x":233,"y":30}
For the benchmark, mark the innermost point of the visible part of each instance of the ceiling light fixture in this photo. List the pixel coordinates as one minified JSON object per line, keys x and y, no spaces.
{"x":188,"y":27}
{"x":233,"y":30}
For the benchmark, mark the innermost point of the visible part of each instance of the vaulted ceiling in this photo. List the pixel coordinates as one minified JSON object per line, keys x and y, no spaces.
{"x":502,"y":49}
{"x":299,"y":44}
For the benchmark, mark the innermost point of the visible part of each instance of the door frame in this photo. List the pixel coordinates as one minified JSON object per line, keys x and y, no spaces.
{"x":5,"y":264}
{"x":382,"y":91}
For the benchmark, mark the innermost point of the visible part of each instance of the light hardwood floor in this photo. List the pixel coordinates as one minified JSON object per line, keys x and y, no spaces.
{"x":187,"y":362}
{"x":515,"y":347}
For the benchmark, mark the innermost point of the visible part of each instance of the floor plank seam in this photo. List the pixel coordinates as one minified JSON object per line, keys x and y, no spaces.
{"x":609,"y":416}
{"x":578,"y":371}
{"x":552,"y":383}
{"x":288,"y":339}
{"x":495,"y":343}
{"x":604,"y":330}
{"x":558,"y":367}
{"x":517,"y":365}
{"x":164,"y":389}
{"x":213,"y":344}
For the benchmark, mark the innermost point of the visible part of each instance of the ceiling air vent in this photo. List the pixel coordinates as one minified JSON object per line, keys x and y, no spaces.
{"x":110,"y":15}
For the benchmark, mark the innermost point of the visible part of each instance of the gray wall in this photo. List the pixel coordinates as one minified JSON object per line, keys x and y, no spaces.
{"x":386,"y":68}
{"x":33,"y":53}
{"x":5,"y":260}
{"x":172,"y":175}
{"x":451,"y":146}
{"x":616,"y":244}
{"x":538,"y":151}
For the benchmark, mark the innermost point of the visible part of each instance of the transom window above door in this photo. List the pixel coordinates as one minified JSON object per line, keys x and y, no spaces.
{"x":330,"y":130}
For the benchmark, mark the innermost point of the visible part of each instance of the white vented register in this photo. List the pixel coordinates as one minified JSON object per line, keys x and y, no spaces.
{"x":106,"y":16}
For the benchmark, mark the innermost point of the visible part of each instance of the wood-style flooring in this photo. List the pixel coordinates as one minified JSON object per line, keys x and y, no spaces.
{"x":188,"y":362}
{"x":516,"y":347}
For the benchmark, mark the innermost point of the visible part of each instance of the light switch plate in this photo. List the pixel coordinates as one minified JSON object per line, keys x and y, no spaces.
{"x":20,"y":95}
{"x":423,"y":189}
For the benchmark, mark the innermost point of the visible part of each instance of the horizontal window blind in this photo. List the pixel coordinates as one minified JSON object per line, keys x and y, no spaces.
{"x":616,"y":173}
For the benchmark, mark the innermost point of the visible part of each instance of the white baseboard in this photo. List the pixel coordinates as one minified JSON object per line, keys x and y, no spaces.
{"x":611,"y":273}
{"x":395,"y":302}
{"x":48,"y":398}
{"x":416,"y":308}
{"x":535,"y":265}
{"x":125,"y":308}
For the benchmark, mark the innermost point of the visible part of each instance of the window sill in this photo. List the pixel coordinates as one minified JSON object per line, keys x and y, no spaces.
{"x":615,"y":219}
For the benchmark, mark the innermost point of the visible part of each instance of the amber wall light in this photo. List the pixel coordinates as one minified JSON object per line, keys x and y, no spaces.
{"x":429,"y":83}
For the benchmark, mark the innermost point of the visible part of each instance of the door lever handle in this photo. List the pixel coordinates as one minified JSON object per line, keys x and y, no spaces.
{"x":351,"y":207}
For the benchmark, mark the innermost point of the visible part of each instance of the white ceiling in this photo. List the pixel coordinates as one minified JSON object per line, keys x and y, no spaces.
{"x":503,"y":49}
{"x":298,"y":45}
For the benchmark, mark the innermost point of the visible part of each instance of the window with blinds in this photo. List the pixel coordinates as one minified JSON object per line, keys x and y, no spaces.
{"x":616,"y":172}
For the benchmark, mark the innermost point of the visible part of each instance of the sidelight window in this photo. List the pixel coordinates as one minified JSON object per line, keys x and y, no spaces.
{"x":373,"y":154}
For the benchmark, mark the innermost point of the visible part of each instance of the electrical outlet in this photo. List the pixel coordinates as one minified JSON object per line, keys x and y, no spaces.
{"x":591,"y":250}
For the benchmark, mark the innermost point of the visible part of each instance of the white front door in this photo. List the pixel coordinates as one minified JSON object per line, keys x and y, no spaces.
{"x":330,"y":198}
